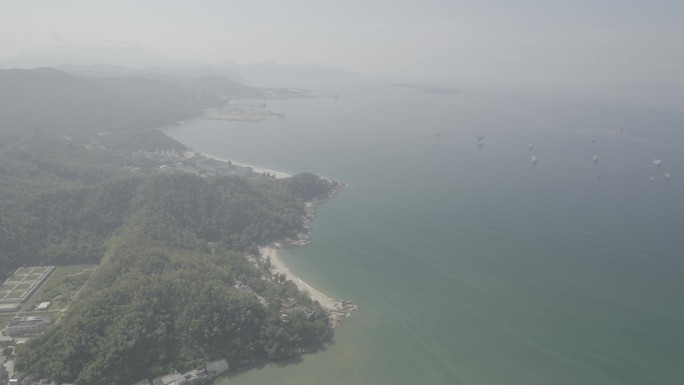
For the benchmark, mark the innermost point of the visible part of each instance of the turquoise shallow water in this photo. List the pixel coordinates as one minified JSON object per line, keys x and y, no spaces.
{"x":473,"y":266}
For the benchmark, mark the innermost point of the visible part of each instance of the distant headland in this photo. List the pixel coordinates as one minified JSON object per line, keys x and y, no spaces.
{"x":424,"y":88}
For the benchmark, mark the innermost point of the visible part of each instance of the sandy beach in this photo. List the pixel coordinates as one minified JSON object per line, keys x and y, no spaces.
{"x":278,"y":266}
{"x":260,"y":170}
{"x":338,"y":309}
{"x":257,"y":169}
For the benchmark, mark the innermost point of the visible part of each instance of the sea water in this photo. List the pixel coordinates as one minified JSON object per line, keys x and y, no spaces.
{"x":472,"y":264}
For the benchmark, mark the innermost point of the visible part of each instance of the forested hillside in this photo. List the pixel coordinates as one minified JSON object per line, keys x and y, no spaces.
{"x":70,"y":226}
{"x":80,"y":182}
{"x":58,"y":129}
{"x":163,"y":297}
{"x":53,"y":102}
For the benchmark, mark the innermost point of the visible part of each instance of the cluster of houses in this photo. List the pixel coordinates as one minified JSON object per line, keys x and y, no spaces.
{"x":241,"y":113}
{"x":286,"y":307}
{"x":191,"y":162}
{"x":193,"y":377}
{"x":22,"y":379}
{"x":244,"y":288}
{"x":289,"y":305}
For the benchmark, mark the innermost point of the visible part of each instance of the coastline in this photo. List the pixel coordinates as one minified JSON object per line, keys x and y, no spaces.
{"x":256,"y":169}
{"x":338,"y":309}
{"x":279,"y":266}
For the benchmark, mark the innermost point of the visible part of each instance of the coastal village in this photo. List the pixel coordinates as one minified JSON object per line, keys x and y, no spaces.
{"x":241,"y":112}
{"x":338,"y":309}
{"x":253,"y":111}
{"x":196,"y":163}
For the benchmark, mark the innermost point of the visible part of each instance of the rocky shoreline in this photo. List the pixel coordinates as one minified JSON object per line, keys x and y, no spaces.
{"x":339,"y":309}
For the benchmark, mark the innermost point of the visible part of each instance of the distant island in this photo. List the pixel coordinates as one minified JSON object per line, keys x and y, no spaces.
{"x":175,"y":278}
{"x":429,"y":89}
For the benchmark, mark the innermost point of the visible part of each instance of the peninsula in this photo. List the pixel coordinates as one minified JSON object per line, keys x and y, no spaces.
{"x":88,"y":179}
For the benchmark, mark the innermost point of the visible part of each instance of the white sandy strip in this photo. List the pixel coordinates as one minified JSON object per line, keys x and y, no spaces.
{"x":257,"y":169}
{"x":279,"y":266}
{"x":260,"y":170}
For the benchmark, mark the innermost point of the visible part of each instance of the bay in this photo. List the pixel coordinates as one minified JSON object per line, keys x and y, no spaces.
{"x":473,"y":265}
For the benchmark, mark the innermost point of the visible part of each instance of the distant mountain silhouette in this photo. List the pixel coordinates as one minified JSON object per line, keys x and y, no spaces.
{"x":122,"y":54}
{"x":117,"y":71}
{"x":42,"y":98}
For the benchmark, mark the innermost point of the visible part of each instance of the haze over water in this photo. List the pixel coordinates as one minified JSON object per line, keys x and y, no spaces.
{"x":474,"y":266}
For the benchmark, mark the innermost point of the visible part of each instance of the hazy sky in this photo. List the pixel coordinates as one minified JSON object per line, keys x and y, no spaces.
{"x":527,"y":40}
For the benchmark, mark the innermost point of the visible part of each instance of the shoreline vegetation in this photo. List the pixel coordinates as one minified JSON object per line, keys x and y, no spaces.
{"x":171,"y":229}
{"x":256,"y":169}
{"x":338,"y":309}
